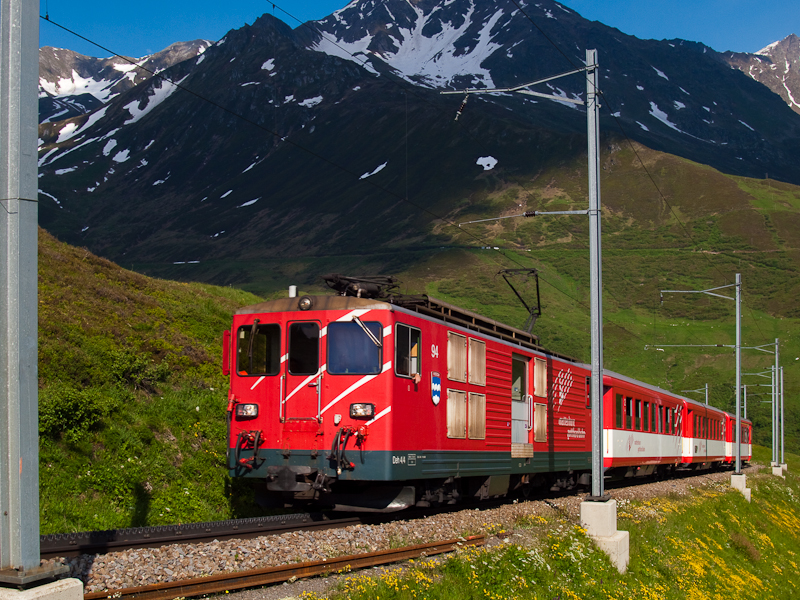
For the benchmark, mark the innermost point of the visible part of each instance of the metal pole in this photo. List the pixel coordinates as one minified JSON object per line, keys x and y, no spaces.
{"x":775,"y":416}
{"x":19,"y":442}
{"x":596,"y":270}
{"x":773,"y":393}
{"x":783,"y":459}
{"x":738,"y":372}
{"x":706,"y":394}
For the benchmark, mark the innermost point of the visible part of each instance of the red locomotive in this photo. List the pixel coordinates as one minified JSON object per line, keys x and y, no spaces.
{"x":369,"y":400}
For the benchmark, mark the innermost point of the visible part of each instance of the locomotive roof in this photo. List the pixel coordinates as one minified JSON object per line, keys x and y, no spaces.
{"x":422,"y":305}
{"x":320,"y":303}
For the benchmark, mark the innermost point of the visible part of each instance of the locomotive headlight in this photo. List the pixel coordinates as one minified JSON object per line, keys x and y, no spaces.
{"x":247,"y":411}
{"x":362,"y":411}
{"x":305,"y":303}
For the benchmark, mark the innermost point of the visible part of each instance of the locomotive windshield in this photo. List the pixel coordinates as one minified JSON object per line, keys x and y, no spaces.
{"x":351,"y":350}
{"x":258,"y":351}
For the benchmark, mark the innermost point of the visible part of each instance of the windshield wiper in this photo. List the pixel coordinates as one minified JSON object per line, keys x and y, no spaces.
{"x":371,"y":335}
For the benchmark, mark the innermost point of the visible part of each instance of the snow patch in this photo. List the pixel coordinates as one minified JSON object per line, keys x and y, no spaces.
{"x":226,"y":194}
{"x":662,"y":116}
{"x":746,"y":125}
{"x":378,"y":169}
{"x":109,"y":147}
{"x":50,"y":196}
{"x":660,"y":73}
{"x":159,"y":92}
{"x":64,"y":171}
{"x":642,"y":126}
{"x":248,"y":203}
{"x":67,"y":132}
{"x":487,"y":162}
{"x":308,"y":103}
{"x":640,"y":88}
{"x":122,"y":156}
{"x":679,"y":105}
{"x":269,"y":65}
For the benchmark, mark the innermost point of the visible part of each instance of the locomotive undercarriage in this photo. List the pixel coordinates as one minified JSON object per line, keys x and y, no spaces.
{"x":299,"y":485}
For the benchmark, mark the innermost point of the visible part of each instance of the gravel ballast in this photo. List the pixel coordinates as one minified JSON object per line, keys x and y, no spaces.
{"x":132,"y":568}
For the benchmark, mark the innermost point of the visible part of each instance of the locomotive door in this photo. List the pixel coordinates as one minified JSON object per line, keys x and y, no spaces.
{"x":521,"y":407}
{"x":303,"y":388}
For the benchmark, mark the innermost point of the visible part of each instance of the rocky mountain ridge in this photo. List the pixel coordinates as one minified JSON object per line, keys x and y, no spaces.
{"x":71,"y":84}
{"x":777,"y":66}
{"x":333,"y":137}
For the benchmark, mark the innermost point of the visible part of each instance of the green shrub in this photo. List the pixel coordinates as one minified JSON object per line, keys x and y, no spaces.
{"x":67,"y":412}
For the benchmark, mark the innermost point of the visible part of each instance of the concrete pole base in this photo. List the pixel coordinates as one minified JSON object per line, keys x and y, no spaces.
{"x":600,"y":521}
{"x":785,"y":467}
{"x":739,"y":482}
{"x":63,"y":589}
{"x":778,"y":471}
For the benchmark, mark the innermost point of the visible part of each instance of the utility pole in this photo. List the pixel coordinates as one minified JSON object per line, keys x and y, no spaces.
{"x":783,"y":460}
{"x":599,"y":511}
{"x":738,"y":348}
{"x":738,"y":479}
{"x":19,"y":456}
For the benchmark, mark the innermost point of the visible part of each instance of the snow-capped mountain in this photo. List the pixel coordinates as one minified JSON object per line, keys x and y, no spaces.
{"x":280,"y":142}
{"x":71,"y":84}
{"x":777,"y":66}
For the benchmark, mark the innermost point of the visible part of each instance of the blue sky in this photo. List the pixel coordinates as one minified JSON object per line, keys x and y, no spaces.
{"x":147,"y":26}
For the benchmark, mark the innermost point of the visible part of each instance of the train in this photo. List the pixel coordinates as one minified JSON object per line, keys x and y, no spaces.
{"x":370,"y":400}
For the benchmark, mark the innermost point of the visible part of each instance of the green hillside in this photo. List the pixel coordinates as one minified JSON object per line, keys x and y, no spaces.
{"x":131,"y":398}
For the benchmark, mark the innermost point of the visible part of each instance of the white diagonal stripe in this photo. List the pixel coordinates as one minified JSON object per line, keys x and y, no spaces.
{"x":356,"y":385}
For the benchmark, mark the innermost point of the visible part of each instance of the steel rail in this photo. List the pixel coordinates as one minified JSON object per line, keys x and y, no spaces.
{"x":246,"y":579}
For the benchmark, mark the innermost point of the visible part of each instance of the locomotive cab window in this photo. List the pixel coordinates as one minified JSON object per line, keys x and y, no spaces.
{"x":407,"y":350}
{"x":354,"y":348}
{"x":303,"y":348}
{"x":618,"y":411}
{"x":259,"y":349}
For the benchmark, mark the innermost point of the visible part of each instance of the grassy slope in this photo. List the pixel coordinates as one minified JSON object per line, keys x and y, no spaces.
{"x":132,"y":401}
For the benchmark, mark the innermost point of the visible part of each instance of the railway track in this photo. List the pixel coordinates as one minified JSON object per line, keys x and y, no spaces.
{"x":100,"y":542}
{"x":259,"y":577}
